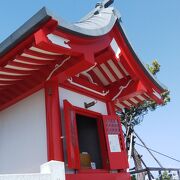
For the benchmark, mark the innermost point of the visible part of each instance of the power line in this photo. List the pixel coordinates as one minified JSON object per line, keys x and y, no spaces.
{"x":172,"y":158}
{"x":148,"y":150}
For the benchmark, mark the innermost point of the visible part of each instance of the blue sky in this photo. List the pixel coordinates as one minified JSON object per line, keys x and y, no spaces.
{"x":153,"y":28}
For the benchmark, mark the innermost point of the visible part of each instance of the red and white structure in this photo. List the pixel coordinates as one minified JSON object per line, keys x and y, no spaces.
{"x":60,"y":87}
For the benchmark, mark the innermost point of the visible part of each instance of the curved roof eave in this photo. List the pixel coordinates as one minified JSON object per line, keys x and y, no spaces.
{"x":101,"y":23}
{"x":25,"y":30}
{"x":161,"y":86}
{"x":97,"y":23}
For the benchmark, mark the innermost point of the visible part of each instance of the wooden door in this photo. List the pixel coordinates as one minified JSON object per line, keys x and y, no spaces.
{"x":71,"y":136}
{"x":115,"y":142}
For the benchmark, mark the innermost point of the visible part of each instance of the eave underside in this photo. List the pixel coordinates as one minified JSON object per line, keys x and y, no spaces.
{"x":102,"y":66}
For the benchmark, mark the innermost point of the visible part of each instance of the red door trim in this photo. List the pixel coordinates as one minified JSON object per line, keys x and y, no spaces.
{"x":118,"y":158}
{"x":88,"y":113}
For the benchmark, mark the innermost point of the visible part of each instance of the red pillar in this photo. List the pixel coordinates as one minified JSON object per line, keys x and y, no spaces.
{"x":110,"y":108}
{"x":53,"y":121}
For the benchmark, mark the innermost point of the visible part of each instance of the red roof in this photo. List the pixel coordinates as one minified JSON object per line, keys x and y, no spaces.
{"x":91,"y":55}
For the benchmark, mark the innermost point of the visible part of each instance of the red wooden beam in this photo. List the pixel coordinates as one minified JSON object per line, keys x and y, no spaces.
{"x":127,"y":90}
{"x":110,"y":108}
{"x":88,"y":84}
{"x":79,"y":64}
{"x":40,"y":55}
{"x":28,"y":66}
{"x":33,"y":61}
{"x":132,"y":90}
{"x":95,"y":78}
{"x":12,"y":77}
{"x":25,"y":84}
{"x":135,"y":63}
{"x":103,"y":56}
{"x":53,"y":121}
{"x":16,"y":50}
{"x":129,"y":69}
{"x":42,"y":42}
{"x":151,"y":94}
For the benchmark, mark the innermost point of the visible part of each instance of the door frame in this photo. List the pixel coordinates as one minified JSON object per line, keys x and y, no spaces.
{"x":101,"y":133}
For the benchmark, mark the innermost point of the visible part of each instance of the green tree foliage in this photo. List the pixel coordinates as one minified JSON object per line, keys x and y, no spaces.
{"x":154,"y":68}
{"x":135,"y":115}
{"x":133,"y":177}
{"x":165,"y":176}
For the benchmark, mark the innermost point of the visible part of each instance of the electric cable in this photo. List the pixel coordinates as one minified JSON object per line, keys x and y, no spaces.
{"x":148,"y":150}
{"x":172,"y":158}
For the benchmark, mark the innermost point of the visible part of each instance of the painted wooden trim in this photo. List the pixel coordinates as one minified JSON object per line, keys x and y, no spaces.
{"x":53,"y":122}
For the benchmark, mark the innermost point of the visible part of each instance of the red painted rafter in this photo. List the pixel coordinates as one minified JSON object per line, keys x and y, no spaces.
{"x":29,"y":82}
{"x":155,"y":98}
{"x":14,"y":71}
{"x":23,"y":84}
{"x":127,"y":91}
{"x":112,"y":71}
{"x":125,"y":106}
{"x":39,"y":68}
{"x":89,"y":85}
{"x":81,"y":48}
{"x":130,"y":70}
{"x":30,"y":78}
{"x":139,"y":71}
{"x":15,"y":51}
{"x":104,"y":74}
{"x":35,"y":61}
{"x":41,"y":55}
{"x":116,"y":60}
{"x":131,"y":102}
{"x":6,"y":82}
{"x":29,"y":66}
{"x":103,"y":56}
{"x":13,"y":77}
{"x":95,"y":78}
{"x":119,"y":68}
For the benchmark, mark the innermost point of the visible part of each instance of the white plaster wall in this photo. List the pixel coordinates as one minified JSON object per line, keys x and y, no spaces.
{"x":23,"y":146}
{"x":78,"y":100}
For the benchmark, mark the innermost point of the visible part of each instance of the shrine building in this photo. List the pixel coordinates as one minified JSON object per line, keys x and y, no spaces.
{"x":60,"y":88}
